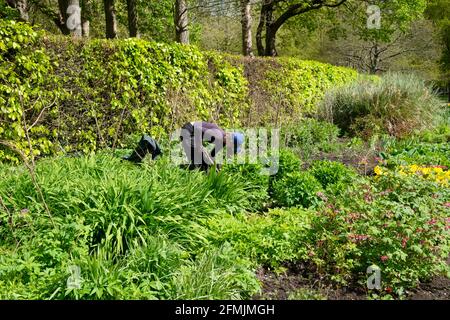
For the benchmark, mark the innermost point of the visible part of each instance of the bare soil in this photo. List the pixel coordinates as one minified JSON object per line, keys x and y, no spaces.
{"x":300,"y":276}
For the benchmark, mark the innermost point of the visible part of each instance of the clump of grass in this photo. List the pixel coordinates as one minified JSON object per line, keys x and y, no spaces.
{"x":396,"y":104}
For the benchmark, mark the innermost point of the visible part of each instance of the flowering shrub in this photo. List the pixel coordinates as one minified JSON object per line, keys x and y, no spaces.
{"x":397,"y":222}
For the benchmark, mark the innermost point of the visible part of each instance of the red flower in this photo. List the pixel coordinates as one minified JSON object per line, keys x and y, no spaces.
{"x":384,"y":258}
{"x":389,"y":290}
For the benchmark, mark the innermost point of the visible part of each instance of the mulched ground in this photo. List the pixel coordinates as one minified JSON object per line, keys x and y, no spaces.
{"x":303,"y":277}
{"x":437,"y":289}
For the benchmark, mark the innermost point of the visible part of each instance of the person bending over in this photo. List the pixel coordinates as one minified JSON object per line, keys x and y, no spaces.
{"x":192,"y":137}
{"x":194,"y":134}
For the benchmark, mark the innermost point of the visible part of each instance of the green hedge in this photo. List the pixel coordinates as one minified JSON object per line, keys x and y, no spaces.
{"x":93,"y":94}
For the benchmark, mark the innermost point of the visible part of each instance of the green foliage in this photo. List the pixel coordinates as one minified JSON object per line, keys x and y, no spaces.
{"x":397,"y":104}
{"x":396,"y":15}
{"x":298,"y":86}
{"x":269,"y":239}
{"x":309,"y":135}
{"x":135,"y":232}
{"x":156,"y":231}
{"x":216,"y":274}
{"x":288,"y":162}
{"x":26,"y":89}
{"x":6,"y":12}
{"x":306,"y":294}
{"x":134,"y":85}
{"x":255,"y":180}
{"x":439,"y":12}
{"x":297,"y":189}
{"x":330,"y":173}
{"x":106,"y":90}
{"x":410,"y":151}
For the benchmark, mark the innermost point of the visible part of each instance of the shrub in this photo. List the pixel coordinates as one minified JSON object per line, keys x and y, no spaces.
{"x":396,"y":104}
{"x":309,"y":135}
{"x":331,"y":173}
{"x":288,"y":163}
{"x":269,"y":239}
{"x":27,"y":87}
{"x":398,"y":223}
{"x":300,"y":85}
{"x":299,"y":188}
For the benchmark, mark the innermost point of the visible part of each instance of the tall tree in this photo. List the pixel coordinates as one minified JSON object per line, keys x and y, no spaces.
{"x":110,"y":18}
{"x":439,"y":12}
{"x":132,"y":18}
{"x":246,"y":21}
{"x":381,"y":39}
{"x":286,"y":9}
{"x":181,"y":21}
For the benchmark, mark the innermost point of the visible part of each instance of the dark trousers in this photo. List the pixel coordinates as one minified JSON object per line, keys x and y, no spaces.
{"x":196,"y":154}
{"x":146,"y":145}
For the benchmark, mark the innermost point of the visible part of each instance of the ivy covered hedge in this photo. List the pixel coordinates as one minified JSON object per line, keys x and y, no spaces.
{"x":62,"y":95}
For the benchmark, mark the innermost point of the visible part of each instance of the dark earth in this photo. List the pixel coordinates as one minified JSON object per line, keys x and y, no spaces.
{"x":302,"y":278}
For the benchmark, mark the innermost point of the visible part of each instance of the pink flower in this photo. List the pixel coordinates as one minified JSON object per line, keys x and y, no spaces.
{"x":432,"y":221}
{"x":384,"y":258}
{"x":322,"y":196}
{"x":447,"y":204}
{"x":404,"y":242}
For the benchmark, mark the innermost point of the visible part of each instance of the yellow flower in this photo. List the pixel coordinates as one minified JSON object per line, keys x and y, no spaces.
{"x":378,"y":171}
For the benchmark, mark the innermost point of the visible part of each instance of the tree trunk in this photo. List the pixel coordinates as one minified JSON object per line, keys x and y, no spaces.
{"x":374,"y":57}
{"x":110,"y":17}
{"x":246,"y":22}
{"x":85,"y":28}
{"x":132,"y":18}
{"x":271,"y":33}
{"x":181,"y":22}
{"x":21,"y":6}
{"x":260,"y":29}
{"x":86,"y":15}
{"x":448,"y":91}
{"x":62,"y":6}
{"x":73,"y":21}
